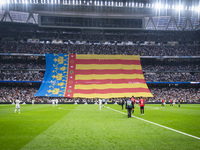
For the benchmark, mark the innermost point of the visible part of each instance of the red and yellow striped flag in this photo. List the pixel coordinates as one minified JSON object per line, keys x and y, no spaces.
{"x":105,"y":76}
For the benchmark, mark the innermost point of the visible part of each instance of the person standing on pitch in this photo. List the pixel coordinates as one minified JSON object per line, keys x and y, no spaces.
{"x":103,"y":101}
{"x":179,"y":103}
{"x":142,"y":103}
{"x":129,"y":106}
{"x":133,"y":99}
{"x":122,"y":104}
{"x":163,"y":103}
{"x":171,"y":103}
{"x":56,"y":102}
{"x":100,"y":103}
{"x":17,"y":106}
{"x":33,"y":101}
{"x":53,"y":102}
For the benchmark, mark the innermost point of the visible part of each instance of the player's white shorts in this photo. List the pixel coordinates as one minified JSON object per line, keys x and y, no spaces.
{"x":17,"y":106}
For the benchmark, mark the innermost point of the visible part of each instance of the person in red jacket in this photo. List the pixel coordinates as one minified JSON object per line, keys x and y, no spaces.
{"x":171,"y":103}
{"x":163,"y":103}
{"x":142,"y":103}
{"x":133,"y":99}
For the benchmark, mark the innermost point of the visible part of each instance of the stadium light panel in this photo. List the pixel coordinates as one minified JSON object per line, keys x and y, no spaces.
{"x":2,"y":2}
{"x":158,"y":6}
{"x":186,"y":8}
{"x":198,"y":9}
{"x":179,"y":7}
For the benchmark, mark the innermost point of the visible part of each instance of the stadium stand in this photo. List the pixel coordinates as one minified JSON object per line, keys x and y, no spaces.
{"x":169,"y":52}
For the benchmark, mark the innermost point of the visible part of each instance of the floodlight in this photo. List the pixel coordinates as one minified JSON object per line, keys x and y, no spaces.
{"x":197,"y":9}
{"x":2,"y":1}
{"x":158,"y":6}
{"x":179,"y":7}
{"x":186,"y":8}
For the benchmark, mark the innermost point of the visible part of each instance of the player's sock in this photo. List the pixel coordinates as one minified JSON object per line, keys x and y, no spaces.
{"x":19,"y":110}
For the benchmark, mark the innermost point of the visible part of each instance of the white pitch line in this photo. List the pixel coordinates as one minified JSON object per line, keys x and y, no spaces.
{"x":159,"y":125}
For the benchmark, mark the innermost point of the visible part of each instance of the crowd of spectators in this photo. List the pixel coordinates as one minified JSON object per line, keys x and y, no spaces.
{"x":142,"y":50}
{"x":183,"y":94}
{"x":16,"y":66}
{"x":171,"y":67}
{"x":26,"y":94}
{"x":21,"y":76}
{"x":20,"y":31}
{"x":151,"y":77}
{"x":172,"y":77}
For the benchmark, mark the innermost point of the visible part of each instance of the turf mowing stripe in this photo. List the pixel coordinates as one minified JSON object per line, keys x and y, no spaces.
{"x":159,"y":125}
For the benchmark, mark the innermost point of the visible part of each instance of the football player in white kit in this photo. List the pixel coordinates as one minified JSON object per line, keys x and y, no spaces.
{"x":33,"y":101}
{"x":100,"y":103}
{"x":17,"y":106}
{"x":53,"y":102}
{"x":56,"y":102}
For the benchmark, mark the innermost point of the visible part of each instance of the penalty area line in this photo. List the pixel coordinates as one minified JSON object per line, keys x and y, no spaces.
{"x":159,"y":125}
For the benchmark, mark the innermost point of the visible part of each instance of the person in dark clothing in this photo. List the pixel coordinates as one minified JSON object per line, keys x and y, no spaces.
{"x":129,"y":106}
{"x":179,"y":103}
{"x":122,"y":102}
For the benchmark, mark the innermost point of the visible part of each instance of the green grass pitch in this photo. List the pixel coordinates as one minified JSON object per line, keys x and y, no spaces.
{"x":86,"y":127}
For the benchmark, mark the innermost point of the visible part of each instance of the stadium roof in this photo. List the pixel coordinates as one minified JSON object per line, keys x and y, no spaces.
{"x":157,"y":14}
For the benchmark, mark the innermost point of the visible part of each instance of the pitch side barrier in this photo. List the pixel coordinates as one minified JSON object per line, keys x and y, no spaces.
{"x":146,"y":82}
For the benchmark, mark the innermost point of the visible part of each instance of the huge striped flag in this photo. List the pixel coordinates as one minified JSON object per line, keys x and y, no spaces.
{"x":93,"y":76}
